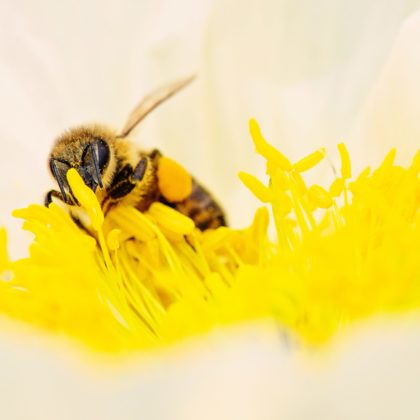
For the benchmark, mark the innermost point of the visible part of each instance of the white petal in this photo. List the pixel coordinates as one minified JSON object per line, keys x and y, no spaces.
{"x":373,"y":374}
{"x":392,"y":114}
{"x":303,"y":69}
{"x":224,"y":376}
{"x":244,"y":372}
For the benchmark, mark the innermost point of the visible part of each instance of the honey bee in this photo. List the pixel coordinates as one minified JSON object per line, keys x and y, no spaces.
{"x":119,"y":172}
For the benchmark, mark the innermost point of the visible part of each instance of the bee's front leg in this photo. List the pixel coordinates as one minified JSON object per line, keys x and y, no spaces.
{"x":127,"y":179}
{"x":57,"y":194}
{"x":49,"y":196}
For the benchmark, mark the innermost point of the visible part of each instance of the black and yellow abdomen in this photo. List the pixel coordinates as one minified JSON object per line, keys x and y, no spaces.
{"x":182,"y":192}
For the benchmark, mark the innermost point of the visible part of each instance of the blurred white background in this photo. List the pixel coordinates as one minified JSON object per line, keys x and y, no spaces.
{"x":313,"y":73}
{"x":309,"y":71}
{"x":246,"y":373}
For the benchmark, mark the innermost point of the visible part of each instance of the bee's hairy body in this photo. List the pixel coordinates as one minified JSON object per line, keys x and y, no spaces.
{"x":120,"y":173}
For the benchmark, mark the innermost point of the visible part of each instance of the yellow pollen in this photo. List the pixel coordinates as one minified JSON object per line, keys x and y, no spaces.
{"x":175,"y":183}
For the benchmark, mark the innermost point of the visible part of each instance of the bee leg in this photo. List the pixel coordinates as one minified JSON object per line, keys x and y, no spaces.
{"x":49,"y":196}
{"x":155,"y":154}
{"x":121,"y":189}
{"x":127,"y":179}
{"x":57,"y":194}
{"x":139,"y":170}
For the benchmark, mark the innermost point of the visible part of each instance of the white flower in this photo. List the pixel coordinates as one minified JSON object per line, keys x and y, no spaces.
{"x":312,"y":74}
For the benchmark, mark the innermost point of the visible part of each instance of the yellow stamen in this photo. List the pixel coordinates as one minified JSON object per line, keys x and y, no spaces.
{"x":143,"y":280}
{"x":130,"y":220}
{"x":388,"y":161}
{"x":284,"y":203}
{"x":309,"y":161}
{"x":280,"y":179}
{"x":113,"y":239}
{"x":170,"y":219}
{"x":213,"y":239}
{"x":320,"y":197}
{"x":86,"y":198}
{"x":345,"y":161}
{"x":256,"y":187}
{"x":267,"y":150}
{"x":337,"y":187}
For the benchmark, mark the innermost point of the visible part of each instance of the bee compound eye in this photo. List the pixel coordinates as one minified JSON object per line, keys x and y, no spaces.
{"x":96,"y":153}
{"x":102,"y":153}
{"x":95,"y":159}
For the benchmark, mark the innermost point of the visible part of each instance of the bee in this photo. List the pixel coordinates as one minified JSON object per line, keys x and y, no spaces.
{"x":119,"y":172}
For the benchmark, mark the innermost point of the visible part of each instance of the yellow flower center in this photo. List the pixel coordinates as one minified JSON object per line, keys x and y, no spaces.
{"x":342,"y":252}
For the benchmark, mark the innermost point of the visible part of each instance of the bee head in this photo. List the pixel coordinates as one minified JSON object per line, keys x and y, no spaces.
{"x":85,"y":149}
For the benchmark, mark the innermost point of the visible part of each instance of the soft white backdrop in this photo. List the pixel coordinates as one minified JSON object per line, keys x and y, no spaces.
{"x":312,"y":73}
{"x":306,"y":70}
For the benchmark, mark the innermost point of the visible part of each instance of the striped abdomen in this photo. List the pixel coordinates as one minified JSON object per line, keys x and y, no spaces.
{"x":201,"y":207}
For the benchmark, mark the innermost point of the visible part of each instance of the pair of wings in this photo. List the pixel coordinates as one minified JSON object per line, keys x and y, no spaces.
{"x":152,"y":101}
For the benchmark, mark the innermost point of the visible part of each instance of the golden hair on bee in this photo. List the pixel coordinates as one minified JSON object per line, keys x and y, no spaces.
{"x":119,"y":172}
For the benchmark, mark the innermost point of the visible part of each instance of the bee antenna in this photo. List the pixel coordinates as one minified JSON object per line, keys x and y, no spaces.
{"x":96,"y":163}
{"x":58,"y":178}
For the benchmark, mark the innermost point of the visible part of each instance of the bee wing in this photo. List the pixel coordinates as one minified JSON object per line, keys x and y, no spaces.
{"x":150,"y":102}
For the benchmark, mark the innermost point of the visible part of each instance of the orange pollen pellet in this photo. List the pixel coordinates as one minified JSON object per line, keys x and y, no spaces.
{"x":175,"y":183}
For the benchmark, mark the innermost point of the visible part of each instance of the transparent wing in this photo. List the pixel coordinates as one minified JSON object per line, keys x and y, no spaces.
{"x":150,"y":102}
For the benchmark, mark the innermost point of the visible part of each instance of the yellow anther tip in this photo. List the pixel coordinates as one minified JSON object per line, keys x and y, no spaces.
{"x":86,"y":198}
{"x":262,"y":192}
{"x":171,"y":219}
